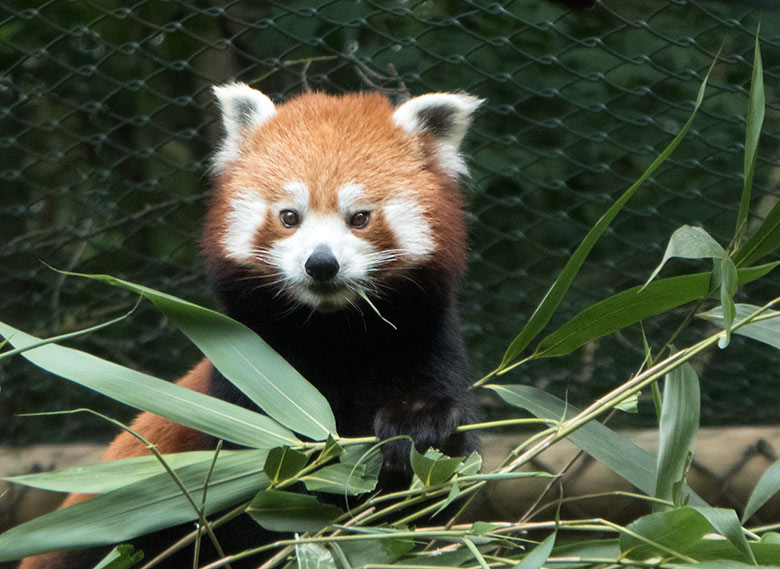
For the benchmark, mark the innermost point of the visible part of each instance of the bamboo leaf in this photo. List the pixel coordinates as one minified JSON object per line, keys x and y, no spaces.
{"x":433,"y":468}
{"x":365,"y":455}
{"x":313,"y":556}
{"x":728,"y":288}
{"x":724,"y":564}
{"x":611,"y":449}
{"x":712,"y":549}
{"x":557,"y":291}
{"x":283,"y":463}
{"x":179,"y":404}
{"x":764,"y":241}
{"x":538,"y":555}
{"x":107,"y":476}
{"x":277,"y":510}
{"x":245,"y":360}
{"x":765,"y":328}
{"x":471,"y":465}
{"x":622,"y":310}
{"x":388,"y":550}
{"x":593,"y":549}
{"x":768,"y":485}
{"x":632,"y":306}
{"x":677,"y":430}
{"x":121,"y":557}
{"x":630,"y":405}
{"x":726,"y":523}
{"x":340,"y":479}
{"x":688,"y":242}
{"x":331,"y":450}
{"x":670,"y":534}
{"x":754,"y":122}
{"x":142,"y":507}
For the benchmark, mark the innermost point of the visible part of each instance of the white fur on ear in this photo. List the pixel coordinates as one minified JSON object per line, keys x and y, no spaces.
{"x":242,"y":107}
{"x":445,"y":116}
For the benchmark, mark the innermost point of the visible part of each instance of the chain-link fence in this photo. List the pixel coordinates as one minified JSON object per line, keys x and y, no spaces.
{"x":108,"y":123}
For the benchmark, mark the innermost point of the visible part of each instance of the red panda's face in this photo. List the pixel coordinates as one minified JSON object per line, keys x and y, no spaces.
{"x":328,"y":198}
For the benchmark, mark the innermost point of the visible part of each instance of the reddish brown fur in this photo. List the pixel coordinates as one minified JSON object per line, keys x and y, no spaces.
{"x":167,"y":436}
{"x":327,"y":142}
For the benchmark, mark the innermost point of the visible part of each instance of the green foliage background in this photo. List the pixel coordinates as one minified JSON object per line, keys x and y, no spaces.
{"x":107,"y":124}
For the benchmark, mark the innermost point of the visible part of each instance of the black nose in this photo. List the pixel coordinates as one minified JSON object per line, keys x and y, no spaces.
{"x":322,"y":265}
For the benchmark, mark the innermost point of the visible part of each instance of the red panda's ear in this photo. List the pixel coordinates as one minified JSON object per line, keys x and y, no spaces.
{"x":444,"y":116}
{"x":242,"y":107}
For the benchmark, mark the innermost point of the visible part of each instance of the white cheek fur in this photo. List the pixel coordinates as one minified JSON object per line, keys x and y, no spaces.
{"x":244,"y":218}
{"x":412,"y":232}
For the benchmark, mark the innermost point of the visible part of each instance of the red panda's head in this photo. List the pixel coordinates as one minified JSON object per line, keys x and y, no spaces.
{"x":325,"y":196}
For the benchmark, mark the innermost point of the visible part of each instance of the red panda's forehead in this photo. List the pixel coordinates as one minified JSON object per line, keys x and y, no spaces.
{"x":326,"y":143}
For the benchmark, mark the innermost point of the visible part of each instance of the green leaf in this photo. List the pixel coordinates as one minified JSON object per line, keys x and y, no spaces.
{"x":714,"y":549}
{"x":632,"y":306}
{"x":143,"y":507}
{"x":726,"y":523}
{"x":277,"y":510}
{"x":771,"y":537}
{"x":723,"y":564}
{"x":630,"y":404}
{"x":557,"y":291}
{"x":121,"y":557}
{"x":340,"y":479}
{"x":749,"y":274}
{"x":764,"y":241}
{"x":754,"y":122}
{"x":688,"y":242}
{"x":482,"y":528}
{"x":471,"y":465}
{"x":768,"y":485}
{"x":245,"y":360}
{"x":728,"y":288}
{"x":385,"y":550}
{"x":622,"y":310}
{"x":539,"y":555}
{"x":201,"y":412}
{"x":677,"y":430}
{"x":366,"y":455}
{"x":589,"y":549}
{"x":331,"y":450}
{"x":765,"y":328}
{"x":283,"y":463}
{"x":453,"y":495}
{"x":461,"y":557}
{"x":106,"y":476}
{"x":612,"y":450}
{"x":434,"y":468}
{"x":674,"y":531}
{"x":313,"y":556}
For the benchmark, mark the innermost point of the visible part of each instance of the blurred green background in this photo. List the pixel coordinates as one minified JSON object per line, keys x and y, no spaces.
{"x":108,"y":124}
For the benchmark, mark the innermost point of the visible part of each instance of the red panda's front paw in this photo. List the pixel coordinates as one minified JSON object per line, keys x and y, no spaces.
{"x":430,"y":422}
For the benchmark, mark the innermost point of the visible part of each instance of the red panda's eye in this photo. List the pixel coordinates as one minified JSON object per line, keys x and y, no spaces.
{"x":289,"y":217}
{"x":359,"y":219}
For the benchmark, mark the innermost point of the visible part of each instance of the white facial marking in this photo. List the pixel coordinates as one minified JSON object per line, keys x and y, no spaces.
{"x":354,"y":256}
{"x":299,"y":196}
{"x":412,"y":231}
{"x":245,"y":216}
{"x":351,"y":198}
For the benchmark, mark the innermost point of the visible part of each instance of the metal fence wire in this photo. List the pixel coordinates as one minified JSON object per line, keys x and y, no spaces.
{"x":108,"y":124}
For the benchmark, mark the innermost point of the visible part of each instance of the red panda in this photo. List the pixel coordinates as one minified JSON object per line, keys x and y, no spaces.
{"x":316,"y":203}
